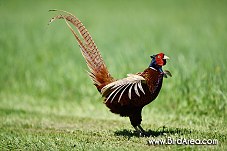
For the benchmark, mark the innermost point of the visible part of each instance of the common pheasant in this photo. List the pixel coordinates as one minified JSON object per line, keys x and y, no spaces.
{"x":126,"y":96}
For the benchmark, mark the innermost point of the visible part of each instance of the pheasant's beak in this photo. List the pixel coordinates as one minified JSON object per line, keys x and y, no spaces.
{"x":165,"y":57}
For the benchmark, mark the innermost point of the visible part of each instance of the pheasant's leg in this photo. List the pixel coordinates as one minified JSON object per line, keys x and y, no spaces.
{"x":138,"y":130}
{"x":141,"y":129}
{"x":135,"y":120}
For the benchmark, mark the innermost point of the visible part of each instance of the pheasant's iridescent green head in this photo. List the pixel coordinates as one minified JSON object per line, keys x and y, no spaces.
{"x":158,"y":60}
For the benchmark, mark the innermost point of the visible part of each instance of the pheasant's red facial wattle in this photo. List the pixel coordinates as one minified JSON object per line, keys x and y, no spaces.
{"x":159,"y":58}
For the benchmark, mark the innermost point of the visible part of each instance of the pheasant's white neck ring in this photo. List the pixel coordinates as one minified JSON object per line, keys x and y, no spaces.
{"x":153,"y":68}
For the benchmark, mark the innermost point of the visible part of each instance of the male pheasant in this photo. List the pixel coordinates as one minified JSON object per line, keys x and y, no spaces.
{"x":125,"y":96}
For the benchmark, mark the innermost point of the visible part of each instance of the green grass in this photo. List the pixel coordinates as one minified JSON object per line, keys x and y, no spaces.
{"x":47,"y":101}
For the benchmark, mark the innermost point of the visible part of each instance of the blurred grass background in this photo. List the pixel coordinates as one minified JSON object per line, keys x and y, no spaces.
{"x":42,"y":72}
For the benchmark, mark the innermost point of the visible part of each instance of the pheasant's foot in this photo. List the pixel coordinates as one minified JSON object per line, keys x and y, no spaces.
{"x":140,"y":131}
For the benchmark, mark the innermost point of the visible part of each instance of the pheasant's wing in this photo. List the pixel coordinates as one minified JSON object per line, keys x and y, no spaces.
{"x":118,"y":88}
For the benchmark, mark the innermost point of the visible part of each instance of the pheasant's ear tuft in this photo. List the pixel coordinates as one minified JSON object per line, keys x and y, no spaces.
{"x":152,"y":57}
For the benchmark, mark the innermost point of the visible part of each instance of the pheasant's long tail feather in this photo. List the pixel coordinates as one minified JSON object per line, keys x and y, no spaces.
{"x":98,"y":70}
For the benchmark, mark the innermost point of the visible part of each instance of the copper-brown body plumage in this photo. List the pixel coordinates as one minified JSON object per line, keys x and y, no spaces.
{"x":125,"y":96}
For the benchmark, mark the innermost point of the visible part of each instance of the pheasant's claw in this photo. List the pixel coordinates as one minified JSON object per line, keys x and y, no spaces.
{"x":144,"y":134}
